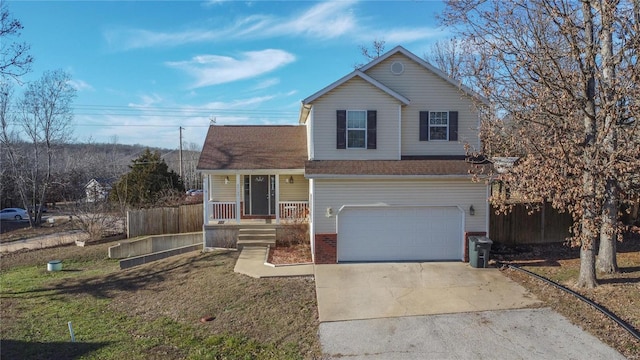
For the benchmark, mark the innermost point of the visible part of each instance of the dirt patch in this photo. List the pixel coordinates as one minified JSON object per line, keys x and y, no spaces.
{"x":620,"y":293}
{"x":294,"y":254}
{"x":20,"y":230}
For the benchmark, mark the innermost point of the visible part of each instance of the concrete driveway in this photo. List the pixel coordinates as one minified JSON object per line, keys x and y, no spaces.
{"x":379,"y":290}
{"x":440,"y":311}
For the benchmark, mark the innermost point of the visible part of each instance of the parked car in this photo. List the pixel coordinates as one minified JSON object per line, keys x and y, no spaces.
{"x":196,"y":192}
{"x":13,"y":214}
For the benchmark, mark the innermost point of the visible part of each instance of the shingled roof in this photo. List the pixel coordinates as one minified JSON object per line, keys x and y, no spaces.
{"x":320,"y":168}
{"x":254,"y":147}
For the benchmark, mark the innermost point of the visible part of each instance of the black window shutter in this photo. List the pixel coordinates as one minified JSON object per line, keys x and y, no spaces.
{"x":372,"y":116}
{"x":424,"y":126}
{"x":453,"y":126}
{"x":341,"y":133}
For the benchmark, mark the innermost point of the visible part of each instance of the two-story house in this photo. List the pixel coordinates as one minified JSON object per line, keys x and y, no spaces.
{"x":377,"y":164}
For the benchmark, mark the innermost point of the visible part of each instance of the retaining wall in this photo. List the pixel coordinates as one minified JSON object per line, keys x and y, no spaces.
{"x":153,"y":244}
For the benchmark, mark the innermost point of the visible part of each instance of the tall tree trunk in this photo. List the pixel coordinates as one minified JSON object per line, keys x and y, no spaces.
{"x":587,"y":276}
{"x":607,"y":262}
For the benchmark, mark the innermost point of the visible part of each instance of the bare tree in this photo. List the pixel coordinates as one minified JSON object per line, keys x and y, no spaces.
{"x":451,"y":56}
{"x":15,"y":60}
{"x":549,"y":69}
{"x":44,"y":117}
{"x":13,"y":174}
{"x":377,"y":49}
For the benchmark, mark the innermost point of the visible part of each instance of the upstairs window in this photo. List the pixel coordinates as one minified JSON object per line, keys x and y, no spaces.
{"x":356,"y":129}
{"x":439,"y":125}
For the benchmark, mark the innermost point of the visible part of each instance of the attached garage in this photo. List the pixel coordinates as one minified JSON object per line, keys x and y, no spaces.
{"x":400,"y":233}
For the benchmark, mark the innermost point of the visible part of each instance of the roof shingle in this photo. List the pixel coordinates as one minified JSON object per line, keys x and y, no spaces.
{"x":389,"y":167}
{"x":254,"y":147}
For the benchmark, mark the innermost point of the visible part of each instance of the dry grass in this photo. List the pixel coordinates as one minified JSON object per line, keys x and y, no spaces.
{"x":280,"y":313}
{"x":620,"y":293}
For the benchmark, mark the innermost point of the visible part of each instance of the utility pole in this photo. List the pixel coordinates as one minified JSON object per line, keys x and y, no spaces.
{"x":181,"y":128}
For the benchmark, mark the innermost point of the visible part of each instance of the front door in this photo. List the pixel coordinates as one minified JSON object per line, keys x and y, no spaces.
{"x":259,"y":194}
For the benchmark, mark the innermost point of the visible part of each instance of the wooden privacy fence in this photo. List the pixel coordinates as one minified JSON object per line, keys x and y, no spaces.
{"x":546,"y":225}
{"x":166,"y":220}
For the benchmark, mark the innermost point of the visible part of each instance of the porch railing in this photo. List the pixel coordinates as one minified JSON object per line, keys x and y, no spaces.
{"x":290,"y":210}
{"x":222,"y":210}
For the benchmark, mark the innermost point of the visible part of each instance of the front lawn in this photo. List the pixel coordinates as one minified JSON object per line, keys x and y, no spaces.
{"x":620,"y":293}
{"x":152,"y":311}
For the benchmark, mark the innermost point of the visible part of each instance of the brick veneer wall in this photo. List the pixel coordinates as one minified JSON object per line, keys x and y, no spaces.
{"x":326,"y":248}
{"x":466,"y":242}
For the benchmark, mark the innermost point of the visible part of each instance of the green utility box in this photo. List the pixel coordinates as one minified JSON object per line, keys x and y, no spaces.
{"x":479,"y":249}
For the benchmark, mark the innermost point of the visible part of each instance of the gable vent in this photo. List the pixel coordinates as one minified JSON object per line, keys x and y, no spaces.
{"x":397,"y":68}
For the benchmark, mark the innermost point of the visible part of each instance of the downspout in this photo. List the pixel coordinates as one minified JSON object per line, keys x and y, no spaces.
{"x":310,"y":133}
{"x":400,"y":131}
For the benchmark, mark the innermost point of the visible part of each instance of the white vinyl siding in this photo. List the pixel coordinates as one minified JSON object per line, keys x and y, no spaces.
{"x":219,"y":191}
{"x":296,"y":191}
{"x":419,"y":192}
{"x":355,"y":94}
{"x":427,"y":92}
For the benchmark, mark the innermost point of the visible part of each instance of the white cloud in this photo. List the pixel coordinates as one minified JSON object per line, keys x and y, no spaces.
{"x":322,"y":21}
{"x":128,"y":39}
{"x":240,"y":103}
{"x":406,"y":35}
{"x":210,"y":70}
{"x":80,"y":85}
{"x":147,"y":101}
{"x":267,"y":84}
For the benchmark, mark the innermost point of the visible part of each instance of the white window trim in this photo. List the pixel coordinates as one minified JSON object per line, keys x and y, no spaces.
{"x":348,"y":128}
{"x":447,"y":126}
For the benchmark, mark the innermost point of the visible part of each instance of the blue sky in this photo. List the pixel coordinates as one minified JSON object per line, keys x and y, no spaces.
{"x":142,"y":69}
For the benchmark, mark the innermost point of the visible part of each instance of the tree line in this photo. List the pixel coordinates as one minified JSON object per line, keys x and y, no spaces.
{"x":40,"y":160}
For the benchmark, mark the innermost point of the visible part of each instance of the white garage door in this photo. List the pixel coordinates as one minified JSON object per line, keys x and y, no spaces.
{"x":387,"y":233}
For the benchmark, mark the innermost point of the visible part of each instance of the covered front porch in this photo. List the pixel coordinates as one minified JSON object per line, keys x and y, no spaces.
{"x":244,"y":197}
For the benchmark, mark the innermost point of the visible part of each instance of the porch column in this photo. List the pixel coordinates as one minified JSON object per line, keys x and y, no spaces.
{"x":277,"y":199}
{"x":238,"y":191}
{"x":205,"y":198}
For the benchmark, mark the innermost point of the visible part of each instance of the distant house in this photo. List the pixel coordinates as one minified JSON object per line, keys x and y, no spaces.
{"x":98,"y":189}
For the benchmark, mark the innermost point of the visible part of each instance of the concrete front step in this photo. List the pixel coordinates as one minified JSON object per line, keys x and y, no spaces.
{"x":256,"y":236}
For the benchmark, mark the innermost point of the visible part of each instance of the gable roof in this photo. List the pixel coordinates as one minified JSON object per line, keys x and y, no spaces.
{"x":254,"y":147}
{"x":104,"y":182}
{"x":399,"y":49}
{"x":364,"y":77}
{"x":356,"y":73}
{"x":361,"y":72}
{"x":389,"y":168}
